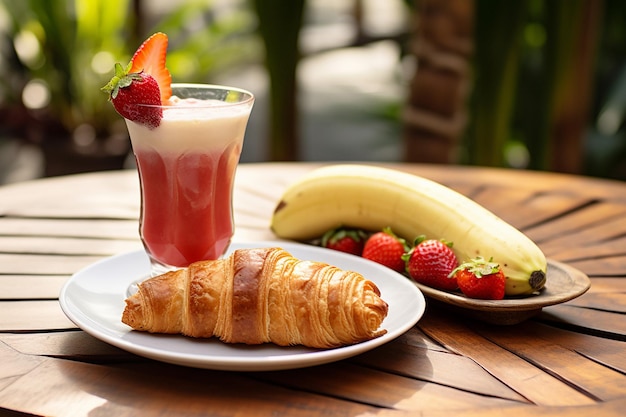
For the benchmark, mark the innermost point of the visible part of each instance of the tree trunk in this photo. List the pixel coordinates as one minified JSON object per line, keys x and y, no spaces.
{"x":279,"y":26}
{"x":436,"y":112}
{"x":577,"y":24}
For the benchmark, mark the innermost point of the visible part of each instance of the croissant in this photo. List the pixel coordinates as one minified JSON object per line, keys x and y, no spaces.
{"x":259,"y":296}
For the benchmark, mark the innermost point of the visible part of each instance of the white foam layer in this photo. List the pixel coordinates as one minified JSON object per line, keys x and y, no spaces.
{"x":192,"y":125}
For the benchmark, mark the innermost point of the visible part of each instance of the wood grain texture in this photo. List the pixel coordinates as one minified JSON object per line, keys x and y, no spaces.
{"x":567,"y":361}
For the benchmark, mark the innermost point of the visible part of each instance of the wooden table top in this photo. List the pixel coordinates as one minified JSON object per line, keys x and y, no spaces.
{"x":568,"y":361}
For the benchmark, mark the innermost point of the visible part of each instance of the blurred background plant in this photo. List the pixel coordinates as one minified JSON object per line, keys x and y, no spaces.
{"x":523,"y":84}
{"x":55,"y":73}
{"x":532,"y":105}
{"x":56,"y":54}
{"x":536,"y":84}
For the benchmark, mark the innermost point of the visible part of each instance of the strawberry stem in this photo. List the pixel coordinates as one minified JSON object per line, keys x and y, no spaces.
{"x":121,"y":79}
{"x":478,"y":266}
{"x":334,"y":235}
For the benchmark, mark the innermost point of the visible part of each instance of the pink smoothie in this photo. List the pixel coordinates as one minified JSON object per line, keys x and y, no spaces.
{"x":186,"y":168}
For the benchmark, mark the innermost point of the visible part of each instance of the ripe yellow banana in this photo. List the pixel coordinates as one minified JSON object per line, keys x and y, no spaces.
{"x":372,"y":198}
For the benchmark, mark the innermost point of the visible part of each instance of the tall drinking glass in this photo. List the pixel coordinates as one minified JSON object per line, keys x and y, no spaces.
{"x":186,"y":171}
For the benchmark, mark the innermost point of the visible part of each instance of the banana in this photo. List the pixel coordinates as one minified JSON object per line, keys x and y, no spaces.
{"x":372,"y":198}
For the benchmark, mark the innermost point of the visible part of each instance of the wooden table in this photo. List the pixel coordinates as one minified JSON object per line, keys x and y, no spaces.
{"x":569,"y":361}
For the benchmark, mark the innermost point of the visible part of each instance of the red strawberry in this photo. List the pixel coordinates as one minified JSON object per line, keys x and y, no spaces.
{"x":150,"y":58}
{"x":345,"y":240}
{"x":145,"y":80}
{"x":386,"y":249}
{"x":430,"y":262}
{"x":482,"y":279}
{"x":128,"y":90}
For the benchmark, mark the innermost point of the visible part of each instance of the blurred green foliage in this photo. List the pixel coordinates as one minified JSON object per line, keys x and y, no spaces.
{"x":605,"y":145}
{"x":70,"y":47}
{"x":531,"y":82}
{"x":280,"y":22}
{"x":53,"y":43}
{"x":205,"y":41}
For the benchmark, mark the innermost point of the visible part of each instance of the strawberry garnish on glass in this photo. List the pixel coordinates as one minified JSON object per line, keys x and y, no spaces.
{"x":145,"y":80}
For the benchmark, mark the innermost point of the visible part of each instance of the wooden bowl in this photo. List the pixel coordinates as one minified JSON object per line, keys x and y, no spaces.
{"x":563,"y":283}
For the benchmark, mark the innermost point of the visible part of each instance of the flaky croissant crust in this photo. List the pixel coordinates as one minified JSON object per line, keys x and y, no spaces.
{"x":259,"y":296}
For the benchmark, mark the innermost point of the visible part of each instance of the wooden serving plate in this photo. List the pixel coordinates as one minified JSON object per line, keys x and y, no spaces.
{"x":563,"y":283}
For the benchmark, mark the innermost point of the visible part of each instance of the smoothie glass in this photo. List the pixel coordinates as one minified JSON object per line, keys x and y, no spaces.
{"x":186,"y":169}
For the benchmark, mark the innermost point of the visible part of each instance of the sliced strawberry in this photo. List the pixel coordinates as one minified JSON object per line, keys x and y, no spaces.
{"x":150,"y":58}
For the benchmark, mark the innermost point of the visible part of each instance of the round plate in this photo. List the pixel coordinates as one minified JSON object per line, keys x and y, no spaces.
{"x":563,"y":283}
{"x":93,"y":299}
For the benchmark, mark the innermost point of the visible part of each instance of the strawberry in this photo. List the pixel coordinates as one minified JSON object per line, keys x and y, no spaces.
{"x":430,"y":262}
{"x":482,"y":279}
{"x":150,"y":58}
{"x":145,"y":80}
{"x":127,"y":90}
{"x":345,"y":240}
{"x":387,"y":249}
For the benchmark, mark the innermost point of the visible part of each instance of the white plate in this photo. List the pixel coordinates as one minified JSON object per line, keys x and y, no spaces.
{"x":93,"y":299}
